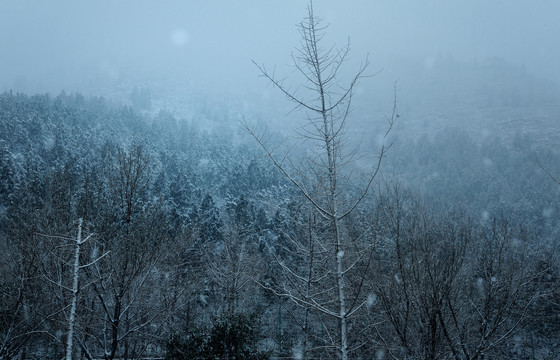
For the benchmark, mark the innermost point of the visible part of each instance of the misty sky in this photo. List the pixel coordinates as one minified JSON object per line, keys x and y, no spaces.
{"x":51,"y":45}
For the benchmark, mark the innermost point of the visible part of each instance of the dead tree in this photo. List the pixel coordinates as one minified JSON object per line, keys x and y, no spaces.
{"x":450,"y":288}
{"x":75,"y":286}
{"x":75,"y":264}
{"x":323,"y":180}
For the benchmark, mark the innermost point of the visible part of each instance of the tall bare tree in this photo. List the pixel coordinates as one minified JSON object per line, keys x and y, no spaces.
{"x":450,"y":288}
{"x":323,"y":179}
{"x":126,"y":284}
{"x":76,"y":265}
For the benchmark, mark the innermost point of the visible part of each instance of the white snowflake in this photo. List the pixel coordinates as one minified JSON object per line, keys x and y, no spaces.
{"x":371,"y":300}
{"x":180,"y":37}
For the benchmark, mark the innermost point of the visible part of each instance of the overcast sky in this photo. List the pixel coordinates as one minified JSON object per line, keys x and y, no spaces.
{"x":50,"y":45}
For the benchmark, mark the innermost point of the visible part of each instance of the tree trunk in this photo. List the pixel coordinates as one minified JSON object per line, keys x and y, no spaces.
{"x":72,"y":317}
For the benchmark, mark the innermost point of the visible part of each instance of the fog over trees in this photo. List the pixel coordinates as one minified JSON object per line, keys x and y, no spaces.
{"x":279,"y":180}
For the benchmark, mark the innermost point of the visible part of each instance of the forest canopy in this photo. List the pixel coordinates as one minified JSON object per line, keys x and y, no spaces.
{"x":169,"y":221}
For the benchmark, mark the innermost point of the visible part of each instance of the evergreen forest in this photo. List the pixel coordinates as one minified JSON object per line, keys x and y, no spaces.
{"x":129,"y":231}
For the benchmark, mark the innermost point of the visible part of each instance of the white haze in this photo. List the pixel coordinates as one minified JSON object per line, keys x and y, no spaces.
{"x":77,"y":45}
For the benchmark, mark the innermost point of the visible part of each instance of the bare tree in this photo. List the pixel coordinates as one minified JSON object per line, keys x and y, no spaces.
{"x":450,"y":289}
{"x":75,"y":285}
{"x":19,"y":267}
{"x":229,"y":264}
{"x":75,"y":288}
{"x":124,"y":299}
{"x":303,"y":262}
{"x":323,"y":179}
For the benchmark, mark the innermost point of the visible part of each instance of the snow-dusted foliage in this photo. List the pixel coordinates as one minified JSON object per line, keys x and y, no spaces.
{"x":190,"y":227}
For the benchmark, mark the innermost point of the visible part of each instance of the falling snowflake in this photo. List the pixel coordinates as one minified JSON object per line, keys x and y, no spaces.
{"x":180,"y":37}
{"x":371,"y":300}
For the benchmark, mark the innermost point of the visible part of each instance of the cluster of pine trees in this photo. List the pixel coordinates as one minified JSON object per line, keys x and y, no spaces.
{"x":194,"y":238}
{"x":129,"y":236}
